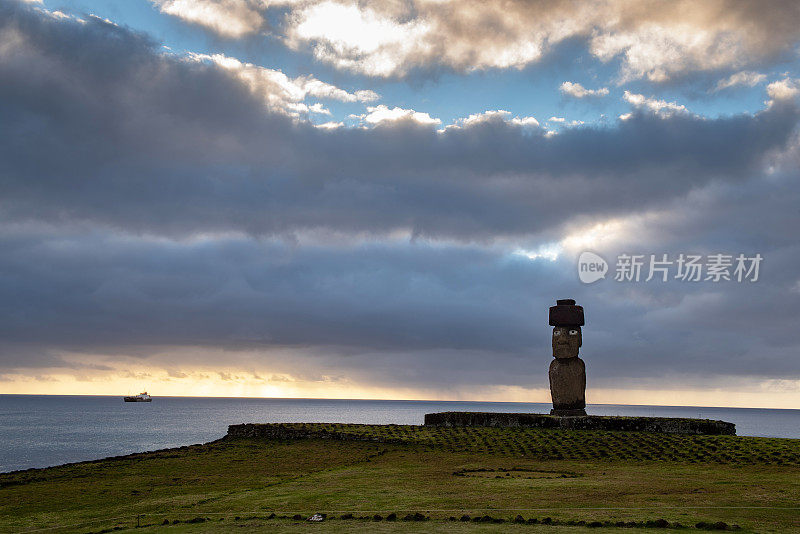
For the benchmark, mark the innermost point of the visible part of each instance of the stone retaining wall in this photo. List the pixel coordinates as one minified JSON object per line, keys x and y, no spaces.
{"x":667,"y":425}
{"x":493,"y":419}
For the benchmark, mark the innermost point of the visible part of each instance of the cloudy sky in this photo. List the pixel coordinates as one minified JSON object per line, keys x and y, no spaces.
{"x":381,"y":199}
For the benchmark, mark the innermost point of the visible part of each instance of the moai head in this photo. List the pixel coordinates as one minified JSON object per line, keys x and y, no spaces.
{"x":567,"y":319}
{"x":566,"y":341}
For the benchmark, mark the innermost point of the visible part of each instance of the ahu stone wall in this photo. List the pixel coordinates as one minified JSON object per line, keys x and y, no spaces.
{"x":666,"y":425}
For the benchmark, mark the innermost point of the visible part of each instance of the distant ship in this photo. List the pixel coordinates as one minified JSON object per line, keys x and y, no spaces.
{"x":141,"y":397}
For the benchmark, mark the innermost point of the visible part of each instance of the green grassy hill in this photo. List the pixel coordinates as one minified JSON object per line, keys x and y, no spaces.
{"x":421,"y":479}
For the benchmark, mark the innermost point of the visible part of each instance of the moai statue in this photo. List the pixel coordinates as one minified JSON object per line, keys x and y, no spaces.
{"x":567,"y":371}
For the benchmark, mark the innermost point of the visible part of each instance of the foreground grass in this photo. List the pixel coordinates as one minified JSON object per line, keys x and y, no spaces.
{"x":561,"y":480}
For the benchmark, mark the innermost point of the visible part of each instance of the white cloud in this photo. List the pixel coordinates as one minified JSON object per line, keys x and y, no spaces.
{"x":564,"y":122}
{"x":320,"y":89}
{"x":387,"y":39}
{"x":319,"y":108}
{"x":331,"y":125}
{"x":785,"y":89}
{"x":746,"y":78}
{"x":295,"y":108}
{"x":227,"y":18}
{"x":660,"y":107}
{"x":103,"y":19}
{"x":495,"y":115}
{"x":658,"y":52}
{"x":280,"y":92}
{"x":356,"y":38}
{"x":382,"y":113}
{"x":654,"y":40}
{"x":578,"y":91}
{"x":525,"y":121}
{"x":476,"y":118}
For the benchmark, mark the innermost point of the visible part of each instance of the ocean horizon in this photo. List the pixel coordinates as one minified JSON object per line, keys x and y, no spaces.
{"x":46,"y":430}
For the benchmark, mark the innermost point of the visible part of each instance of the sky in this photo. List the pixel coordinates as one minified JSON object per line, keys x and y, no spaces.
{"x":339,"y":199}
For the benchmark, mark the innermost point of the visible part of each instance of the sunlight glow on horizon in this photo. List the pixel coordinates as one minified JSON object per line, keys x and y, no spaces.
{"x":760,"y":395}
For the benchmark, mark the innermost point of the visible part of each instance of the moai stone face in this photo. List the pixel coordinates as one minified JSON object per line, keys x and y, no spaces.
{"x":566,"y":341}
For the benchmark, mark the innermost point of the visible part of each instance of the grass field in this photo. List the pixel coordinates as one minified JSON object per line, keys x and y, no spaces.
{"x":418,"y":479}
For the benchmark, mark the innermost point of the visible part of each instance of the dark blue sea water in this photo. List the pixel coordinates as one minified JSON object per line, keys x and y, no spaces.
{"x":45,"y":430}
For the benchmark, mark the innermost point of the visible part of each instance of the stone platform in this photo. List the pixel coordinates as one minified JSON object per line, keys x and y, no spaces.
{"x":665,"y":425}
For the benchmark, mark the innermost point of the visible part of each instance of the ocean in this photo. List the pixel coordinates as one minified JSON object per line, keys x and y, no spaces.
{"x":46,"y":430}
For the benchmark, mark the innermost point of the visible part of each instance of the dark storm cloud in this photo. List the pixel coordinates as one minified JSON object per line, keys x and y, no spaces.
{"x":115,"y":153}
{"x":706,"y":329}
{"x":101,"y":126}
{"x":408,"y":310}
{"x":412,"y":313}
{"x":417,"y":313}
{"x":87,"y":291}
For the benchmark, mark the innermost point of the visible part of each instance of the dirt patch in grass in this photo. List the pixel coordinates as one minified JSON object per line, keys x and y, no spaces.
{"x":514,"y":472}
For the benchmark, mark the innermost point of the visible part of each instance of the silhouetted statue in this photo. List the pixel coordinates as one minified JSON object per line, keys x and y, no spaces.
{"x":567,"y":370}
